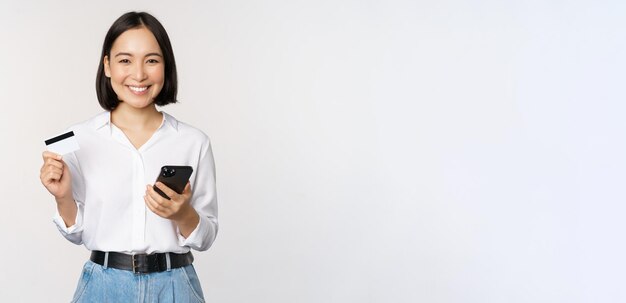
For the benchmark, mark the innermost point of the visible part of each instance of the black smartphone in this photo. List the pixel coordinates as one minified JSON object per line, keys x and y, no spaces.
{"x":174,"y":177}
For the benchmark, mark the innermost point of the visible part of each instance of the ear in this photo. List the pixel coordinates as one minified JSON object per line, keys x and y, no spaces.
{"x":107,"y":67}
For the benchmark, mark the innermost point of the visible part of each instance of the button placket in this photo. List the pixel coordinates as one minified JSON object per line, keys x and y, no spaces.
{"x":138,"y":204}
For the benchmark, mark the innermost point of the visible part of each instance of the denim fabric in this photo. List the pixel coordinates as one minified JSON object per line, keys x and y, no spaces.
{"x":110,"y":285}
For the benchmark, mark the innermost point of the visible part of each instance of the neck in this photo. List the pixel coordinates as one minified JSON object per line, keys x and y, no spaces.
{"x":128,"y":117}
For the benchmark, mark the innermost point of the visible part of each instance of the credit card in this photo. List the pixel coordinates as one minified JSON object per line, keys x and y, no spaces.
{"x":63,"y":144}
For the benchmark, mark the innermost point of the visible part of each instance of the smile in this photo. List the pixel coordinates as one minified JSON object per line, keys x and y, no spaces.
{"x":138,"y":89}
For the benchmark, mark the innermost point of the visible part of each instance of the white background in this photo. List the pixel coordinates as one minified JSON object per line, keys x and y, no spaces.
{"x":367,"y":151}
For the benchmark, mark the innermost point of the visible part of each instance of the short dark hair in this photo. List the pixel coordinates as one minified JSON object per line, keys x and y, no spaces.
{"x":132,"y":20}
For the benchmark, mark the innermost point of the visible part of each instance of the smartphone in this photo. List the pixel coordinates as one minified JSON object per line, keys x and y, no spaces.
{"x":174,"y":177}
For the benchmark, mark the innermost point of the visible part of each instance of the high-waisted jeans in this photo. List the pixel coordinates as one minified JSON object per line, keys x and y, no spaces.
{"x":110,"y":285}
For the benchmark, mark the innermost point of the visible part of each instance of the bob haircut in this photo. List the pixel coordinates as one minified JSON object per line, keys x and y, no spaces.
{"x":133,"y":20}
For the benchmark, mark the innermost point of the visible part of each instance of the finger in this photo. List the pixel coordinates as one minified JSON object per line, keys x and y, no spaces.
{"x":48,"y":154}
{"x":186,"y":195}
{"x":48,"y":179}
{"x":54,"y":170}
{"x":151,"y":206}
{"x":65,"y":167}
{"x":187,"y":189}
{"x":152,"y":193}
{"x":156,"y":207}
{"x":156,"y":197}
{"x":52,"y":176}
{"x":166,"y":190}
{"x":53,"y":162}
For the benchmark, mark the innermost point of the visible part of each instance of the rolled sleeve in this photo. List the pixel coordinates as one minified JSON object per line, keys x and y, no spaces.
{"x":72,"y":233}
{"x":202,"y":237}
{"x":204,"y":201}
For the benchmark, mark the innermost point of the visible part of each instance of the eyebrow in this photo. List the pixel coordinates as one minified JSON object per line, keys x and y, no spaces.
{"x":131,"y":55}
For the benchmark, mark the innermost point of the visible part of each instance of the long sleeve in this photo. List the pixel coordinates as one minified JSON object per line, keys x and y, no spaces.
{"x":204,"y":201}
{"x":73,"y":233}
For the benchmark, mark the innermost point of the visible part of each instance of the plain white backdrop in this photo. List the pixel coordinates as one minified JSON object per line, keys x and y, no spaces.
{"x":366,"y":151}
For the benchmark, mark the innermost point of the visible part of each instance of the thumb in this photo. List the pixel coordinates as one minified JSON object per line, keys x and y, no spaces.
{"x":187,"y":190}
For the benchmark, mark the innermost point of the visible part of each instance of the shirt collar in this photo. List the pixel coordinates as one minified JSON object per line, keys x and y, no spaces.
{"x":171,"y":121}
{"x":104,"y":119}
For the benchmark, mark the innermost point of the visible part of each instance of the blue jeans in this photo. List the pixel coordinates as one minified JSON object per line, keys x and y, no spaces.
{"x":99,"y":284}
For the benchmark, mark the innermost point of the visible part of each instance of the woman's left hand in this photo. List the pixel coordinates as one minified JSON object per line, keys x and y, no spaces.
{"x":176,"y":209}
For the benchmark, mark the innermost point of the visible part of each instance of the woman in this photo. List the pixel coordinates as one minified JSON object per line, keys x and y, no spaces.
{"x":140,"y":241}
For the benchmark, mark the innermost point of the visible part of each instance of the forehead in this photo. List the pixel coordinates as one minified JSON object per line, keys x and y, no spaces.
{"x":136,"y":41}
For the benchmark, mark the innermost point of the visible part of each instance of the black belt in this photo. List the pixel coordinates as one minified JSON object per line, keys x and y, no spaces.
{"x":142,"y":263}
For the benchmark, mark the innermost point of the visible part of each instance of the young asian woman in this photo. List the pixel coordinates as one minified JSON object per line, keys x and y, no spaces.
{"x":140,"y":241}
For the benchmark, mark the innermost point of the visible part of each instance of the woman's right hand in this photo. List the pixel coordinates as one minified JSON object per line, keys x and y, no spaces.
{"x":56,"y":177}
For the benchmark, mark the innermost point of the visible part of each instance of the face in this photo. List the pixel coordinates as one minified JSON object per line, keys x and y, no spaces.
{"x":135,"y":67}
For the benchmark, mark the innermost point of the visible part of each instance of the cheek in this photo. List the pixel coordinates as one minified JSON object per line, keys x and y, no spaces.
{"x":117,"y":75}
{"x":159,"y":76}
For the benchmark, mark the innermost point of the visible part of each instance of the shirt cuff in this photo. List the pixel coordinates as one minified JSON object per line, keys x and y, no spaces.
{"x":197,"y":237}
{"x":76,"y":228}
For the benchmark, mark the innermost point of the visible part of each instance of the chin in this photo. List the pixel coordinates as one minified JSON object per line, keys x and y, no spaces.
{"x":138,"y":104}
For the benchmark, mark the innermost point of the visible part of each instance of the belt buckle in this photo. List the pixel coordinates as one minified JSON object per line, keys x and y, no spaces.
{"x":134,"y":264}
{"x":137,"y":264}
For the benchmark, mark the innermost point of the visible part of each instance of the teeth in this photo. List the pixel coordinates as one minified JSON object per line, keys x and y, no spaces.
{"x":138,"y":89}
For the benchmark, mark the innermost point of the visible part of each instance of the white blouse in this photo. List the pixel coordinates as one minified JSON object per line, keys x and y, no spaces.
{"x":109,"y":178}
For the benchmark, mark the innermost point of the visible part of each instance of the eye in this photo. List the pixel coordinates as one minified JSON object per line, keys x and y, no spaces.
{"x":124,"y":61}
{"x":153,"y":61}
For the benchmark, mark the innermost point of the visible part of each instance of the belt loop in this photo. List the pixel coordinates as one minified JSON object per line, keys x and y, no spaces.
{"x":106,"y":260}
{"x":168,"y":261}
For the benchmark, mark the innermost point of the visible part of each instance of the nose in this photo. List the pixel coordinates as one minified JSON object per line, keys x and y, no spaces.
{"x":139,"y":73}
